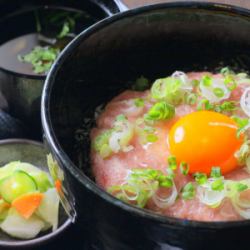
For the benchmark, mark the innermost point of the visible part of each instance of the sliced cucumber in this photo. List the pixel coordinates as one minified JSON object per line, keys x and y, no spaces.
{"x":17,"y":184}
{"x":16,"y":226}
{"x":41,"y":178}
{"x":8,"y":169}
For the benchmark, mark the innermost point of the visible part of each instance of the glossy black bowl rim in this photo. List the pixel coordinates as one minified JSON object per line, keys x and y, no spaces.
{"x":27,"y":10}
{"x":65,"y":160}
{"x":48,"y":236}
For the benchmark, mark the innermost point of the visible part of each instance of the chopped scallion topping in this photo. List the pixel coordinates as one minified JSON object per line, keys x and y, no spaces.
{"x":200,"y":178}
{"x":241,"y":187}
{"x":215,"y":172}
{"x":188,"y":191}
{"x":141,"y":185}
{"x":41,"y":58}
{"x":172,"y":163}
{"x":228,"y":106}
{"x":230,"y":82}
{"x":243,"y":153}
{"x":217,"y":185}
{"x":165,"y":181}
{"x":191,"y":99}
{"x":207,"y":81}
{"x":101,"y":143}
{"x":168,"y":89}
{"x":121,"y":118}
{"x":204,"y":104}
{"x":184,"y":167}
{"x":226,"y":71}
{"x":160,"y":111}
{"x":218,"y":92}
{"x":170,"y":172}
{"x":242,"y":123}
{"x":139,"y":102}
{"x":65,"y":30}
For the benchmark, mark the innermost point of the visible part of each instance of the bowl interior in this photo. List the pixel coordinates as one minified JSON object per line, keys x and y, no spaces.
{"x":151,"y":41}
{"x":21,"y":28}
{"x":34,"y":153}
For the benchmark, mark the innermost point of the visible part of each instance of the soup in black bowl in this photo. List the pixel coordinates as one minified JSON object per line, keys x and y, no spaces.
{"x":99,"y":64}
{"x":32,"y":38}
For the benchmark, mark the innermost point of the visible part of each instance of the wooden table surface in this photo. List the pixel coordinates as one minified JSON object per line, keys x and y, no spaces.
{"x":137,"y":3}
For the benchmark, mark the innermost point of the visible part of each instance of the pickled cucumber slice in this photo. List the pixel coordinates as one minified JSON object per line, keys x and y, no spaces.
{"x":17,"y":184}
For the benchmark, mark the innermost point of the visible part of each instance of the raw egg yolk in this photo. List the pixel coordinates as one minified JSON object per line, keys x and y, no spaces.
{"x":205,"y":139}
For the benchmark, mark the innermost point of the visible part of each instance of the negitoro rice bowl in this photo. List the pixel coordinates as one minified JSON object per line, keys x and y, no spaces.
{"x":92,"y":74}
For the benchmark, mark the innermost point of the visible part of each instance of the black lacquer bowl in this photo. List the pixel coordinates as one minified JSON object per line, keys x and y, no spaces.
{"x":152,"y":41}
{"x":19,"y":84}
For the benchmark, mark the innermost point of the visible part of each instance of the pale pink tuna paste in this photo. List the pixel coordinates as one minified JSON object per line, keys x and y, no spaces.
{"x":114,"y":170}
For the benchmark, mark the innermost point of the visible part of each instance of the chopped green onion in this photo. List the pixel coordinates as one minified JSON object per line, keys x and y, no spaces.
{"x":41,"y":58}
{"x":226,"y":71}
{"x":242,"y":124}
{"x":191,"y":99}
{"x":228,"y":106}
{"x":184,"y":168}
{"x":151,"y":138}
{"x":200,"y":178}
{"x":141,"y":185}
{"x":172,"y":163}
{"x":165,"y":181}
{"x":105,"y":151}
{"x":146,"y":133}
{"x":169,"y":90}
{"x":218,"y":92}
{"x":115,"y":139}
{"x":204,"y":104}
{"x":207,"y":81}
{"x":101,"y":143}
{"x":160,"y":111}
{"x":121,"y":118}
{"x":217,"y":185}
{"x":230,"y":82}
{"x":65,"y":30}
{"x":170,"y":172}
{"x":102,"y":139}
{"x":188,"y":191}
{"x":139,"y":102}
{"x":243,"y":153}
{"x":215,"y":172}
{"x":141,"y":84}
{"x":241,"y":187}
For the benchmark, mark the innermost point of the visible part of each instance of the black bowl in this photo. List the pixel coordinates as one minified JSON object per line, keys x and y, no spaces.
{"x":102,"y":61}
{"x":20,"y":85}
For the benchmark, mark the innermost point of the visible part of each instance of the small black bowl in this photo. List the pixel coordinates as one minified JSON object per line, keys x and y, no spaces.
{"x":34,"y":153}
{"x":18,"y":83}
{"x":102,"y":61}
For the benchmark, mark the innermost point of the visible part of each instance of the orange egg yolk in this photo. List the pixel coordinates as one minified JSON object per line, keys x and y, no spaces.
{"x":205,"y":139}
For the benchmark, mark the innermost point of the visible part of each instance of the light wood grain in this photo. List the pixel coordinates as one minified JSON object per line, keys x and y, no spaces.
{"x":137,"y":3}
